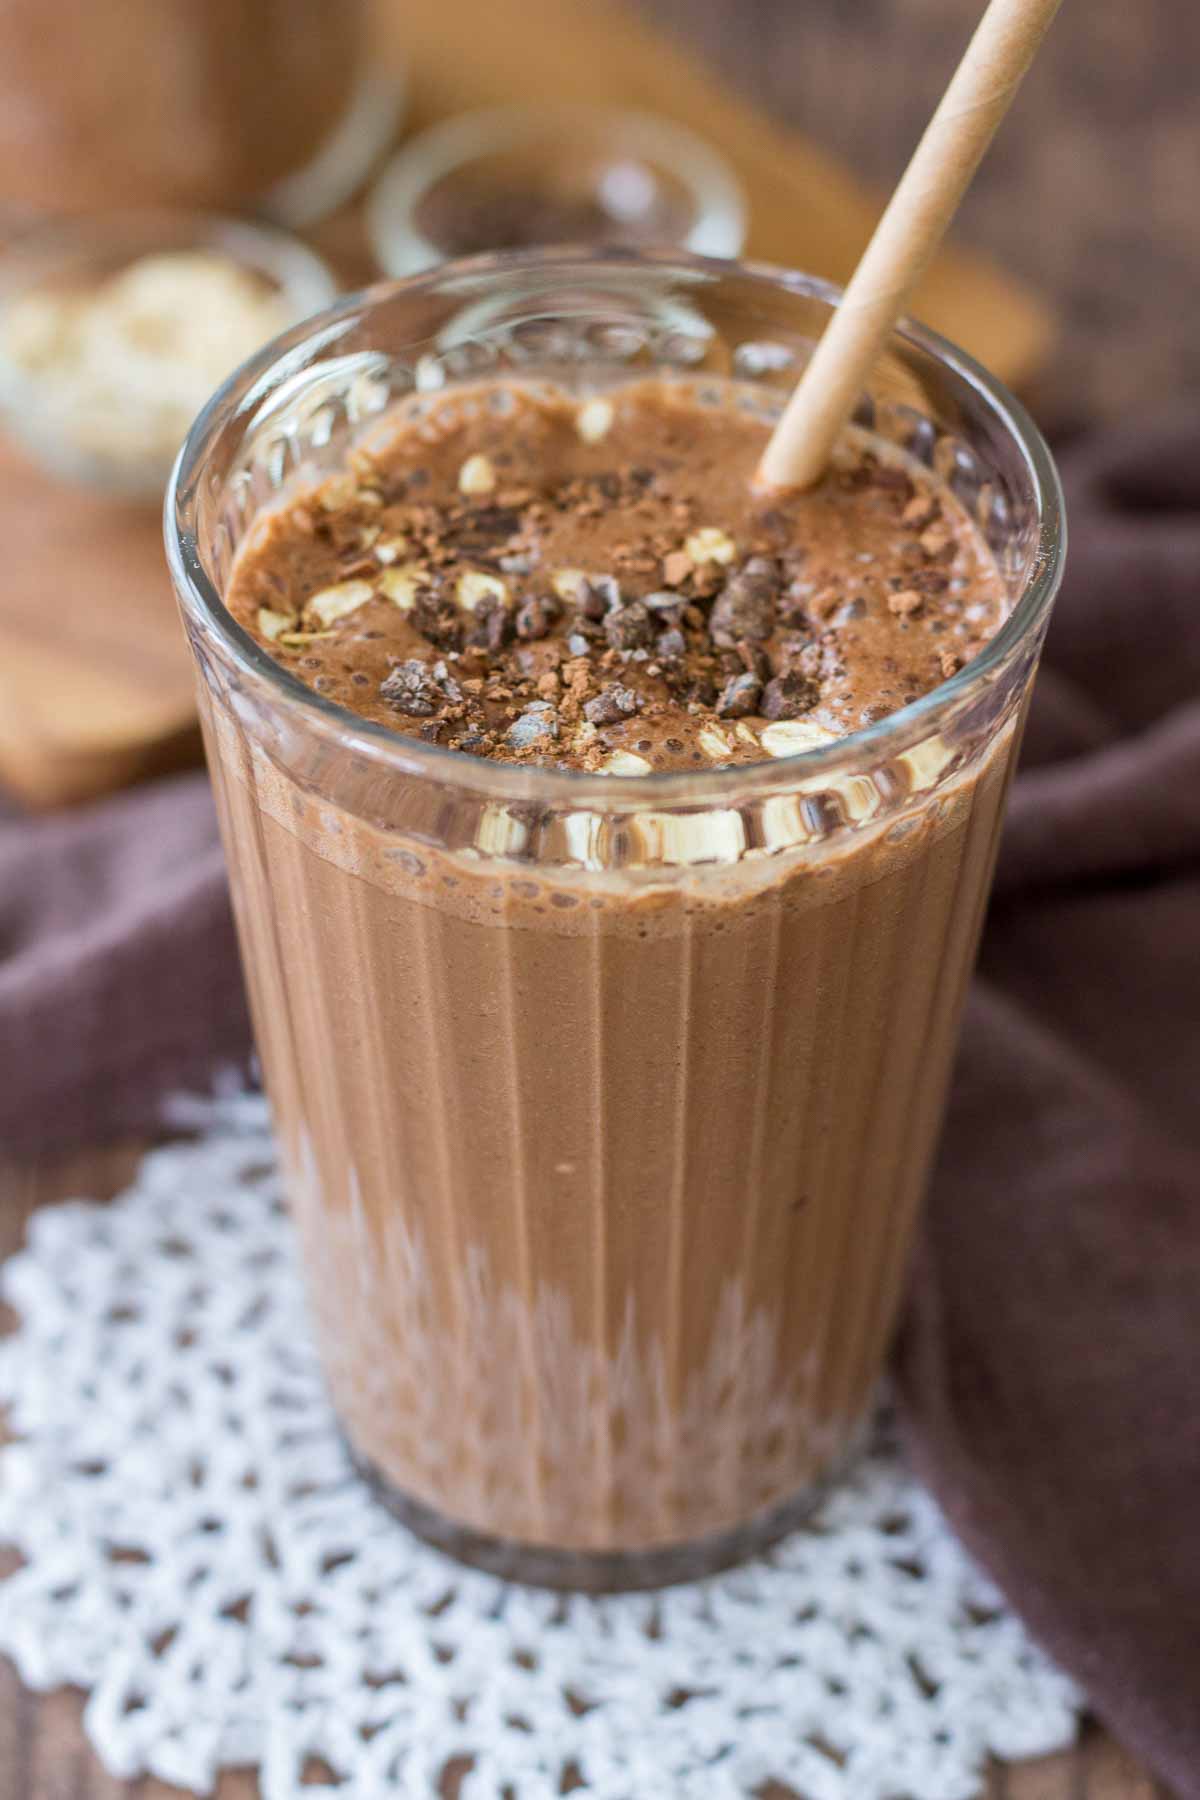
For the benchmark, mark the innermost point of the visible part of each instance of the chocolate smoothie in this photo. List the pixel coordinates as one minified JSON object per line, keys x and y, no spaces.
{"x":607,"y":1180}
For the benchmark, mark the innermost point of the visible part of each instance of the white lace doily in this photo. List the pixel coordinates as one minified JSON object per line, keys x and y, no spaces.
{"x":199,"y":1556}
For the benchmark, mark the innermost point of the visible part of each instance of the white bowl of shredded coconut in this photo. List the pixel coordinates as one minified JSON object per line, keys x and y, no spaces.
{"x":115,"y":330}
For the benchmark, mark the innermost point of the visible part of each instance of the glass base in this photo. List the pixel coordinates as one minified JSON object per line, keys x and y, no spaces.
{"x":606,"y":1571}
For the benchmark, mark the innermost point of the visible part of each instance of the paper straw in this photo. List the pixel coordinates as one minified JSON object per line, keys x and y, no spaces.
{"x":914,"y":222}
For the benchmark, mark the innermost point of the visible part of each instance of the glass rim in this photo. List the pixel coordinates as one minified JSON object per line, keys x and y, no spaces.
{"x":45,"y":245}
{"x":920,"y":718}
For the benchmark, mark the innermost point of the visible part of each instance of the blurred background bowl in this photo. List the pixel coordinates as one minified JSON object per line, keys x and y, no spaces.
{"x":78,"y":257}
{"x":511,"y":177}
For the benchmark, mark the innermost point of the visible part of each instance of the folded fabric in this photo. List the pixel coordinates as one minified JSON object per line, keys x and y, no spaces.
{"x":1048,"y":1369}
{"x":119,"y":978}
{"x":1050,"y":1364}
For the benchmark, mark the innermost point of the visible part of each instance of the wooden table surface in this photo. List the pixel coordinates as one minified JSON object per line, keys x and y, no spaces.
{"x":1087,"y":193}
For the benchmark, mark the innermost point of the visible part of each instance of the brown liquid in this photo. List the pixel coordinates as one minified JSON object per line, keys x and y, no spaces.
{"x":606,"y":1187}
{"x":529,"y":202}
{"x":184,"y":102}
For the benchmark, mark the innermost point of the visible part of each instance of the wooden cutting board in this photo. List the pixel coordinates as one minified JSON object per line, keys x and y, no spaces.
{"x":95,"y":689}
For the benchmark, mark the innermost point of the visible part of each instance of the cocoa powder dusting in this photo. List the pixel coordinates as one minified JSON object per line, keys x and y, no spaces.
{"x":596,"y":585}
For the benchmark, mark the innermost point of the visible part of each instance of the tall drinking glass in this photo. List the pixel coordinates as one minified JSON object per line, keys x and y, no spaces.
{"x":606,"y":1103}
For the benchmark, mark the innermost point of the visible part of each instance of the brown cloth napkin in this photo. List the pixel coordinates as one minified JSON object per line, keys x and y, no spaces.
{"x":1049,"y":1370}
{"x":119,"y":978}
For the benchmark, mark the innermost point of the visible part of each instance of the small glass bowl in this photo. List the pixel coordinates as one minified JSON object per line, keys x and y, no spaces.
{"x":526,"y":176}
{"x":70,"y":256}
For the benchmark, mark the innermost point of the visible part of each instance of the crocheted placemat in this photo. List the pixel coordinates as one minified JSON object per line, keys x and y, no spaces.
{"x":199,"y":1556}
